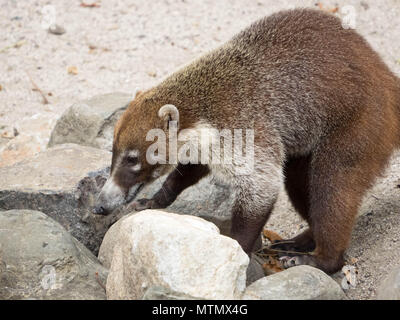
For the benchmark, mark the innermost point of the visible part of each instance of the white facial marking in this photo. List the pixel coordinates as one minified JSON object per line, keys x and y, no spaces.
{"x":111,"y":194}
{"x":110,"y":186}
{"x":136,"y":167}
{"x":133,"y":153}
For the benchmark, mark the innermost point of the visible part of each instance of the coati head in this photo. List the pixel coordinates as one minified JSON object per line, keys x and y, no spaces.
{"x":132,"y":166}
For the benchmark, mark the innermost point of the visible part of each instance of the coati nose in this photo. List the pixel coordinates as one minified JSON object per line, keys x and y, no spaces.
{"x":99,"y":210}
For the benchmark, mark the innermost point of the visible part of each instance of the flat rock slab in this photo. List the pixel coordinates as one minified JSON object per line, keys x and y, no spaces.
{"x":39,"y":259}
{"x":91,"y":122}
{"x":296,"y":283}
{"x":61,"y":182}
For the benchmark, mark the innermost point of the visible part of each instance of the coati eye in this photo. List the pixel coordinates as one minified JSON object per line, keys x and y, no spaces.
{"x":132,"y":160}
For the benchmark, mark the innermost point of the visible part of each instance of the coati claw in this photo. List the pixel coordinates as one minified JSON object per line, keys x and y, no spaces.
{"x":142,"y":204}
{"x":295,"y":246}
{"x":288,"y":262}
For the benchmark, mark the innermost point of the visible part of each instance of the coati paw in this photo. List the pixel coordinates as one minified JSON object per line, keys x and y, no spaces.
{"x":288,"y":262}
{"x":293,"y":247}
{"x":142,"y":204}
{"x":284,"y":248}
{"x":290,"y":249}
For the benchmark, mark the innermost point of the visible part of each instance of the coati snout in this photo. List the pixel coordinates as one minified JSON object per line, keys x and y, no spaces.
{"x":325,"y":112}
{"x":123,"y":183}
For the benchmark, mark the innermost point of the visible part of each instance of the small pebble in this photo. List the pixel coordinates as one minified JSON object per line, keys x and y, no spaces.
{"x":72,"y":70}
{"x":56,"y":29}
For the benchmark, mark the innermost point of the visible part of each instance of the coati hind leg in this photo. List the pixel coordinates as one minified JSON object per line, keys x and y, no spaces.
{"x":297,"y":184}
{"x":341,"y":171}
{"x":178,"y":180}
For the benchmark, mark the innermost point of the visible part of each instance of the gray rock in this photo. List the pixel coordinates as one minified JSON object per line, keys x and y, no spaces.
{"x":39,"y":259}
{"x":296,"y":283}
{"x":61,"y":182}
{"x":389,"y":289}
{"x":162,"y":293}
{"x":255,"y":270}
{"x":91,"y":122}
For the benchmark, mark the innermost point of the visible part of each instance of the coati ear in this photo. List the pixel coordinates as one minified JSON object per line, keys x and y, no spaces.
{"x":170,"y":114}
{"x":137,"y":93}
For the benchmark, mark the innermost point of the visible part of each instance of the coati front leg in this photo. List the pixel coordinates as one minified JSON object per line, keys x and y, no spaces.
{"x":178,"y":180}
{"x":255,"y":199}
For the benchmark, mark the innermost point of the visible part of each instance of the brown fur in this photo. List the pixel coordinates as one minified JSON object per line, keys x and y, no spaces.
{"x":324,"y":107}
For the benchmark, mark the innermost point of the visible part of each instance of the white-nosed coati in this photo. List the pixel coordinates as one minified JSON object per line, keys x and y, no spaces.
{"x":325,"y":113}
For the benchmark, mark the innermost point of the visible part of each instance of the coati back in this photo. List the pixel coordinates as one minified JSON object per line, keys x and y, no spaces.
{"x":325,"y":113}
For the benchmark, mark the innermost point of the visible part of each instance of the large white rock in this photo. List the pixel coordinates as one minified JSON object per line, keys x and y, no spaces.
{"x":106,"y":250}
{"x":182,"y":253}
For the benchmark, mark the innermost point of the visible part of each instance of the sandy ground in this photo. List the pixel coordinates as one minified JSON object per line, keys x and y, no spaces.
{"x":125,"y":45}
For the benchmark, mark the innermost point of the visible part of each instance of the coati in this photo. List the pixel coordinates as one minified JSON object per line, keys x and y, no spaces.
{"x":325,"y":111}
